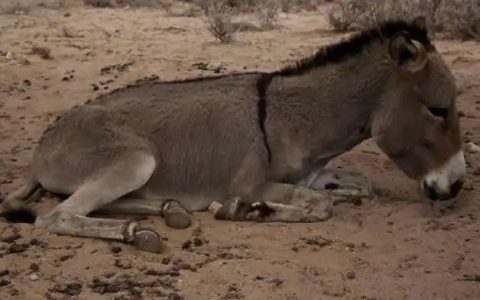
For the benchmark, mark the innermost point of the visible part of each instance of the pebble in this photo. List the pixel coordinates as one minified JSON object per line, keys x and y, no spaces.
{"x":116,"y":249}
{"x":34,"y":267}
{"x":351,"y":275}
{"x":33,"y":277}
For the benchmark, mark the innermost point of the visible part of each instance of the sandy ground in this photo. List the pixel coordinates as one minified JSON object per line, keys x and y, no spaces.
{"x":396,"y":246}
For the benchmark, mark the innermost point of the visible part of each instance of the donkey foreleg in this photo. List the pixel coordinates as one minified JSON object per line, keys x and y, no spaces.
{"x":342,"y":186}
{"x":278,"y":203}
{"x":175,"y":215}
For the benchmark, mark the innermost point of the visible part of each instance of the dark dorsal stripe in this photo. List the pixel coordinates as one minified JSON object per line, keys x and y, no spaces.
{"x":336,"y":53}
{"x":264,"y":81}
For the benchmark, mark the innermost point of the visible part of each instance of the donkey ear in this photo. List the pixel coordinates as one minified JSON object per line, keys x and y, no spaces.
{"x":407,"y":53}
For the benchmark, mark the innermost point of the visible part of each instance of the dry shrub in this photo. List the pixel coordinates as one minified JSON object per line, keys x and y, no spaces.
{"x":299,"y":5}
{"x":457,"y":18}
{"x":16,"y":6}
{"x":25,"y":6}
{"x":267,"y":13}
{"x":163,"y":4}
{"x":219,"y":19}
{"x":100,"y":3}
{"x":460,"y":18}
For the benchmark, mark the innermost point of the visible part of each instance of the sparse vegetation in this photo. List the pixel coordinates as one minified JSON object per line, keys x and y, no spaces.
{"x":25,"y":6}
{"x":163,"y":4}
{"x":100,"y":3}
{"x":298,"y":5}
{"x":267,"y":13}
{"x":456,"y":18}
{"x":219,"y":19}
{"x":461,"y":18}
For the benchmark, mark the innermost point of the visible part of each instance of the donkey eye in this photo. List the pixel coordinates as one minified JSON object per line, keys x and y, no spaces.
{"x":441,"y":112}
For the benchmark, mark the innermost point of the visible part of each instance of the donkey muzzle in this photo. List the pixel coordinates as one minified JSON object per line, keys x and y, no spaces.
{"x":446,"y":182}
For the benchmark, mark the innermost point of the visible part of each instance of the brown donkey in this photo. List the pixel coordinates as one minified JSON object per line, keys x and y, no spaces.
{"x":252,"y":146}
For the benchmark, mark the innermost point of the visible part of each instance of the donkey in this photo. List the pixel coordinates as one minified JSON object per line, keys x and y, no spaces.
{"x":252,"y":146}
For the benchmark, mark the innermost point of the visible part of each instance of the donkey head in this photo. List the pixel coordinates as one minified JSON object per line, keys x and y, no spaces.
{"x":417,"y":124}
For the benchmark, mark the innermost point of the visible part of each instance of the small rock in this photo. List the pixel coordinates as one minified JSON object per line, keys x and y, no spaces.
{"x":4,"y":272}
{"x":166,"y":260}
{"x":34,"y":267}
{"x":469,"y":277}
{"x":17,"y":248}
{"x":175,"y":296}
{"x":71,"y":288}
{"x":116,"y":249}
{"x":11,"y":236}
{"x":187,"y":245}
{"x":351,"y":275}
{"x":317,"y":241}
{"x":123,"y":264}
{"x":277,"y":282}
{"x":33,"y":277}
{"x":197,"y":241}
{"x":4,"y":282}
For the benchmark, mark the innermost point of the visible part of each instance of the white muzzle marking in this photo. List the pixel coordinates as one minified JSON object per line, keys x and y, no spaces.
{"x":443,"y":178}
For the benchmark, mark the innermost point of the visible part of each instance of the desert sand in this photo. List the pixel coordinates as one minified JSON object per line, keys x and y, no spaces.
{"x":396,"y":246}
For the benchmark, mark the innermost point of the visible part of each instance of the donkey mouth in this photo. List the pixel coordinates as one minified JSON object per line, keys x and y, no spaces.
{"x":432,"y":193}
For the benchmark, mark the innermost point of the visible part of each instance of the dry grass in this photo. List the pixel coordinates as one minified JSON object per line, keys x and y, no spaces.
{"x":456,"y":18}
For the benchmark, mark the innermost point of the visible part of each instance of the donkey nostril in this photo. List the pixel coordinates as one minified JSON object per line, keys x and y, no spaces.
{"x":430,"y":192}
{"x":456,"y":188}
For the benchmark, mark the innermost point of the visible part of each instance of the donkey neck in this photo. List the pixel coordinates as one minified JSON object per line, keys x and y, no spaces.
{"x":323,"y":112}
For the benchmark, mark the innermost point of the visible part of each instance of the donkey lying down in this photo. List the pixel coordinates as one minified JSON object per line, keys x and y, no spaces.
{"x":252,"y":146}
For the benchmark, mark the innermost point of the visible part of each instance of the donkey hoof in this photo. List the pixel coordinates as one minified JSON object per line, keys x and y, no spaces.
{"x":176,"y":216}
{"x":147,"y":240}
{"x":178,"y":219}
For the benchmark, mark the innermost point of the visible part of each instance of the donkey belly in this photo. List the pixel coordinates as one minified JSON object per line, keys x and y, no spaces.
{"x":197,"y":167}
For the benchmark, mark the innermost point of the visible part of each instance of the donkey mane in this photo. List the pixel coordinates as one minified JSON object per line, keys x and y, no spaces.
{"x":340,"y":51}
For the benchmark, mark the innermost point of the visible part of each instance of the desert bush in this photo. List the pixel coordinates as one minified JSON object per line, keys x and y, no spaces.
{"x":267,"y":13}
{"x":16,"y":6}
{"x":298,"y":5}
{"x":100,"y":3}
{"x":25,"y":6}
{"x":163,"y":4}
{"x":459,"y":18}
{"x":344,"y":15}
{"x":219,"y":15}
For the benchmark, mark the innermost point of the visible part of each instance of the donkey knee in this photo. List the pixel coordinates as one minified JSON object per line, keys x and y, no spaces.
{"x":55,"y":221}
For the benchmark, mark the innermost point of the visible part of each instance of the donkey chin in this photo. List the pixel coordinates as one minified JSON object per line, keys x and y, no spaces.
{"x":447,"y":181}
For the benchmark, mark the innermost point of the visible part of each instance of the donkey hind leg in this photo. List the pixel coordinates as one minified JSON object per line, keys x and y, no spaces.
{"x":343,"y":186}
{"x":70,"y":217}
{"x":279,"y":203}
{"x":176,"y":216}
{"x":17,"y":199}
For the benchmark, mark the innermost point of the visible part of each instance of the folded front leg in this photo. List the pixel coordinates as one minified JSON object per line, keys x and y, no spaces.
{"x":343,"y":186}
{"x":277,"y":203}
